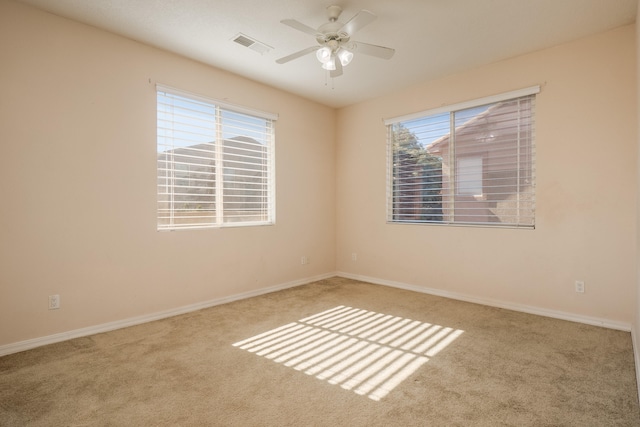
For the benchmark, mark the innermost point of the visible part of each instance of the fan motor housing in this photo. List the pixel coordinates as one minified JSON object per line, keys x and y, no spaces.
{"x":329,"y":32}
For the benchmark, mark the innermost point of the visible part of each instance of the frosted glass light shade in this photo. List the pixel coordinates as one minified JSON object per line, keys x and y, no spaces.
{"x":345,"y":57}
{"x":323,"y":55}
{"x":330,"y":64}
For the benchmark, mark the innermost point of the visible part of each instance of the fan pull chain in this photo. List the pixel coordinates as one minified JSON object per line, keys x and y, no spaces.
{"x":327,"y":76}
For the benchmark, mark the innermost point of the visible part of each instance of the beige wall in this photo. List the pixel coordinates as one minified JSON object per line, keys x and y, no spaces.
{"x":636,"y":324}
{"x":586,"y":139}
{"x":77,"y":178}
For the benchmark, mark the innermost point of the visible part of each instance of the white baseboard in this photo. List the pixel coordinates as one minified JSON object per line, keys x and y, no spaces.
{"x":118,"y":324}
{"x":606,"y":323}
{"x":636,"y":355}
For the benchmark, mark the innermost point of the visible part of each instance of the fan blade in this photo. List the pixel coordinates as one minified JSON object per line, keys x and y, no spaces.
{"x":371,"y":49}
{"x":297,"y":25}
{"x":338,"y":71}
{"x":362,"y":18}
{"x":297,"y":55}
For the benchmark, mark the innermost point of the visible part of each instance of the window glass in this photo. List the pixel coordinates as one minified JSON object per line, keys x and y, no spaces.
{"x":214,"y":164}
{"x":469,"y":166}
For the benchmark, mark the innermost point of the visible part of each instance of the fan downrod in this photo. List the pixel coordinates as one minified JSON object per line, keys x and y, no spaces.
{"x":333,"y":12}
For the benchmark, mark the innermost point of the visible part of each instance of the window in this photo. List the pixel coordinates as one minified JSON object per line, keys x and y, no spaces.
{"x":469,"y":172}
{"x":471,"y":163}
{"x":215,"y":163}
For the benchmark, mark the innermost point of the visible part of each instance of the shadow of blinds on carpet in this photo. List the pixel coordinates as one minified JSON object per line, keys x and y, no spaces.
{"x":364,"y":351}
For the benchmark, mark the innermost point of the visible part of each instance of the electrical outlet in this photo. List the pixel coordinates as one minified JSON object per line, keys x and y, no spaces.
{"x":304,"y":260}
{"x":54,"y":302}
{"x":580,"y":286}
{"x":354,"y":256}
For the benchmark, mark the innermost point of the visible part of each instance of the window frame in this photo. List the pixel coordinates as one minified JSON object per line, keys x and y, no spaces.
{"x":219,"y":151}
{"x":450,"y":110}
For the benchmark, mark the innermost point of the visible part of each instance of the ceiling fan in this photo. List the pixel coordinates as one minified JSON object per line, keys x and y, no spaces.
{"x":335,"y":48}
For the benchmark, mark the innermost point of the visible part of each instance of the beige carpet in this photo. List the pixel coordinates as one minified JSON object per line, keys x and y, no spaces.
{"x":333,"y":353}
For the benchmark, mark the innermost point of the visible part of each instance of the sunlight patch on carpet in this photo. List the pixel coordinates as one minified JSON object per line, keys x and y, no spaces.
{"x":364,"y":351}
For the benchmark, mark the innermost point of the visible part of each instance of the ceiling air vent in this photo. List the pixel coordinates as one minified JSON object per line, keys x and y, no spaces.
{"x":252,"y":44}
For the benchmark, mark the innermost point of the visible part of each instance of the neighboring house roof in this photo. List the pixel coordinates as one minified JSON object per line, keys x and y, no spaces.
{"x":471,"y":126}
{"x":235,"y":142}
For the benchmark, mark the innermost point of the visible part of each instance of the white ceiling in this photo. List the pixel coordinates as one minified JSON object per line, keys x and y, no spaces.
{"x":432,"y":38}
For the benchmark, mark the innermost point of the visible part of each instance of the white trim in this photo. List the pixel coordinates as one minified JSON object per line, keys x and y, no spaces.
{"x":222,"y":104}
{"x":132,"y":321}
{"x":636,"y":357}
{"x":605,"y":323}
{"x":466,"y":104}
{"x":118,"y":324}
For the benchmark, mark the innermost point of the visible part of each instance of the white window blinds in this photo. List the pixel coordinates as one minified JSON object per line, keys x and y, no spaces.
{"x":467,"y":164}
{"x":215,"y":163}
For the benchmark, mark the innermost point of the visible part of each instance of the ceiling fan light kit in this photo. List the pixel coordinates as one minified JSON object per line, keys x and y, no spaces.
{"x":328,"y":58}
{"x":336,"y":49}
